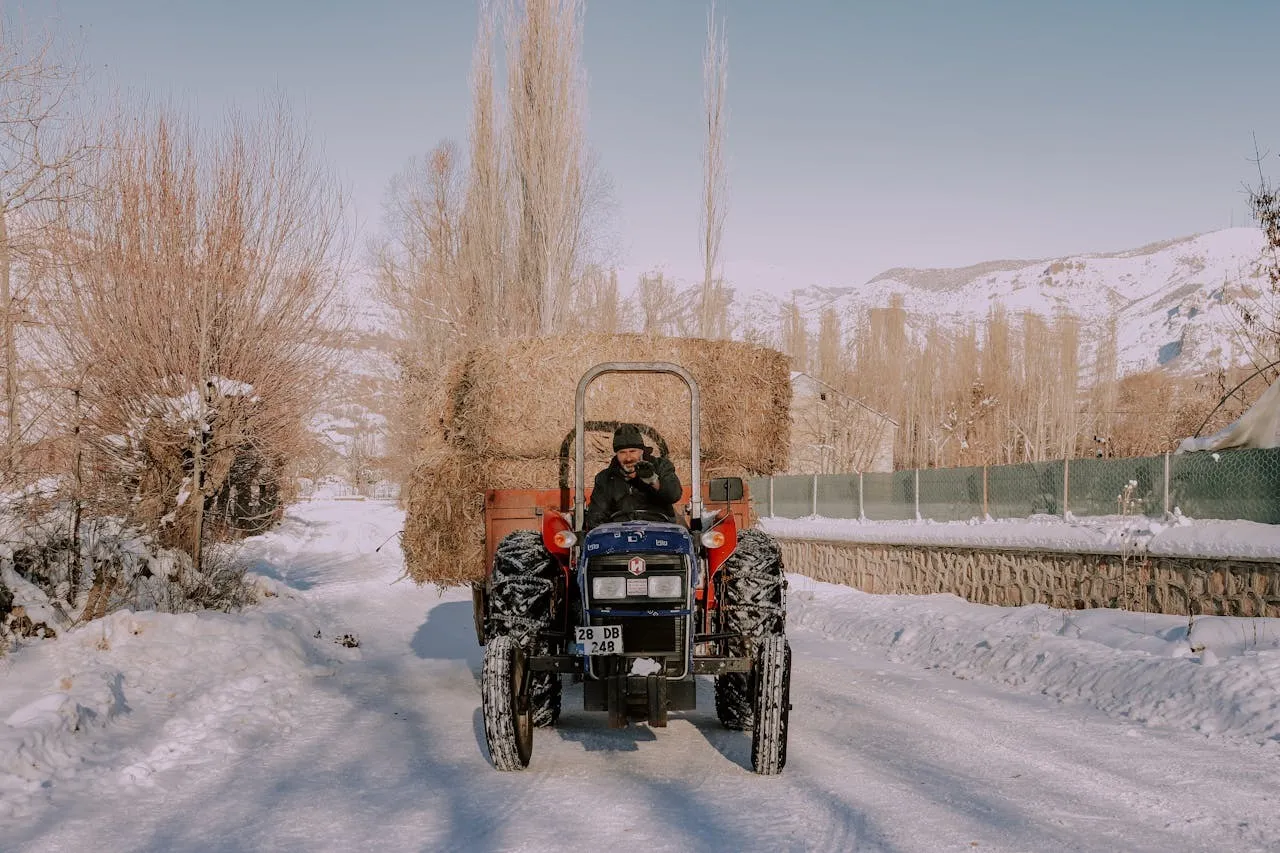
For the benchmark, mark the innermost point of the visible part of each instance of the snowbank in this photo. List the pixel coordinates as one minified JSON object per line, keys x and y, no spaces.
{"x":1118,"y":534}
{"x":1214,"y":675}
{"x":220,"y":682}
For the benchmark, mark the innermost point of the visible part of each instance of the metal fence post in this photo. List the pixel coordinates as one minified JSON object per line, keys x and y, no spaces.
{"x":815,"y":494}
{"x":771,"y":496}
{"x":1066,"y":485}
{"x":1167,"y":508}
{"x":986,"y":511}
{"x":862,"y":510}
{"x":917,"y":491}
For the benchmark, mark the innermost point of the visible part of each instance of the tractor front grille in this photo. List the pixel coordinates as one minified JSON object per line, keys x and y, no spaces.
{"x":653,"y":637}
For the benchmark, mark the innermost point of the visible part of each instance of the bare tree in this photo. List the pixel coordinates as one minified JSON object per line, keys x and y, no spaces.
{"x":200,"y":312}
{"x":1066,"y":385}
{"x":595,"y":306}
{"x":419,"y":271}
{"x":549,"y":162}
{"x":998,"y":383}
{"x":881,"y":361}
{"x":40,"y":148}
{"x":363,"y":457}
{"x":959,"y":400}
{"x":485,"y":217}
{"x":655,"y":295}
{"x":715,"y":75}
{"x":795,"y":336}
{"x":1103,"y":397}
{"x":1258,"y":314}
{"x":830,"y":356}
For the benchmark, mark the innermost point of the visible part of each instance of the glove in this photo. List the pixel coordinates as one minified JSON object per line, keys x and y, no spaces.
{"x":646,"y":474}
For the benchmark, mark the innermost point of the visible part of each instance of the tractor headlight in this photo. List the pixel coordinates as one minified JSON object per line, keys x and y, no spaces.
{"x":665,"y":586}
{"x":609,"y":587}
{"x":713,"y":538}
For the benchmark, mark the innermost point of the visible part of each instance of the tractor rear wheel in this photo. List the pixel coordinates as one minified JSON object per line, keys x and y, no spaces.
{"x":772,"y":705}
{"x":504,"y":699}
{"x":753,"y":604}
{"x":522,"y":602}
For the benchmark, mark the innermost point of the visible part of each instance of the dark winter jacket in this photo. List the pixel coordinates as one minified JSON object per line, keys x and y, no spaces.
{"x":613,"y":492}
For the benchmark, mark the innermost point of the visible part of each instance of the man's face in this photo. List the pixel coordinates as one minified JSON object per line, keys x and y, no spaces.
{"x":629,"y":458}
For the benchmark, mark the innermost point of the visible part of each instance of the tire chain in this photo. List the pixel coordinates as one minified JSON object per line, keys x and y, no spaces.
{"x":521,"y":593}
{"x":755,"y":591}
{"x":495,"y":691}
{"x":754,"y":605}
{"x":772,"y":705}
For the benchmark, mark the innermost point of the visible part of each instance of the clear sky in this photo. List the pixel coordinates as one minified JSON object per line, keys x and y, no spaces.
{"x":862,"y":135}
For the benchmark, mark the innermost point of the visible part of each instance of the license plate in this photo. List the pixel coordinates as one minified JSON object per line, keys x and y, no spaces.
{"x":599,"y":639}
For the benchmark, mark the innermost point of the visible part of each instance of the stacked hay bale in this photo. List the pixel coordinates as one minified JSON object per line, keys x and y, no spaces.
{"x":508,"y":411}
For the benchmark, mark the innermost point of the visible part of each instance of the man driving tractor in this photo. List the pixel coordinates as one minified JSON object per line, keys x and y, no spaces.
{"x":635,"y":480}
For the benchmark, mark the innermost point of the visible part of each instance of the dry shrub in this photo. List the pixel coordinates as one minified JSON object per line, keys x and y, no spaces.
{"x":1156,"y":410}
{"x":509,"y":411}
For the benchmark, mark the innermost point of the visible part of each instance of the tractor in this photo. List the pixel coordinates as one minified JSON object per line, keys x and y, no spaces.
{"x":635,"y":608}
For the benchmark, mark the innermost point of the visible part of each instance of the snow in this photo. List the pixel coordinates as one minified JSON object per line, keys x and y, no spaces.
{"x":1172,"y":301}
{"x":342,"y":712}
{"x":1107,"y":534}
{"x":1215,"y":675}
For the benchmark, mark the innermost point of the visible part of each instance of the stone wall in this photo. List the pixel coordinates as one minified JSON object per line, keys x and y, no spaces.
{"x":1154,"y":584}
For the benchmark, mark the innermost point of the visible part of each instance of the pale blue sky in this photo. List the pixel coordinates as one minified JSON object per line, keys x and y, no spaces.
{"x":862,"y":135}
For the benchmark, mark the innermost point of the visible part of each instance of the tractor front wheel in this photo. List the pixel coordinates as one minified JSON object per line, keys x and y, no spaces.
{"x":504,"y":697}
{"x":772,"y":705}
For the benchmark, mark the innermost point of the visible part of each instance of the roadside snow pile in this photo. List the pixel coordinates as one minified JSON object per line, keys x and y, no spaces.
{"x":1108,"y":534}
{"x":50,"y":581}
{"x":73,"y":711}
{"x":1215,"y":675}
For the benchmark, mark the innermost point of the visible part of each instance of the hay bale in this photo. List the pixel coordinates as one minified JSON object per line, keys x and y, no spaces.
{"x":515,"y":399}
{"x":510,"y":410}
{"x":443,"y":538}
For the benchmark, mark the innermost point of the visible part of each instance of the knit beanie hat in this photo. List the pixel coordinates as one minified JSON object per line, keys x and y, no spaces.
{"x":627,"y":435}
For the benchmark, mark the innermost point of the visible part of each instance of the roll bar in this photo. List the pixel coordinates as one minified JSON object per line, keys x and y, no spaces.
{"x":580,"y":442}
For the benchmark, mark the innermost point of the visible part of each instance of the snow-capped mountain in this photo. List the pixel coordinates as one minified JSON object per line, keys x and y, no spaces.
{"x":1174,"y":301}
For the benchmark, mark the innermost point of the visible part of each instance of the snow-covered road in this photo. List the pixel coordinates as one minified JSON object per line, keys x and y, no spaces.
{"x":154,"y":732}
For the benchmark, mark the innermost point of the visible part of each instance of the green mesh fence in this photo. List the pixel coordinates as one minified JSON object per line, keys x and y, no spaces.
{"x":1232,"y":484}
{"x":1116,"y":486}
{"x":951,"y":494}
{"x":792,"y":496}
{"x":1243,"y":484}
{"x":1018,"y":491}
{"x":838,"y":495}
{"x":889,"y":497}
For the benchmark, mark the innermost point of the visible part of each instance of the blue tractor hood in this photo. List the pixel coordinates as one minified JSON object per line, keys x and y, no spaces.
{"x":630,"y":537}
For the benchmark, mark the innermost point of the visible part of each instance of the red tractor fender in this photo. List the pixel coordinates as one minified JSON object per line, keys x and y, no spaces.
{"x":720,"y":541}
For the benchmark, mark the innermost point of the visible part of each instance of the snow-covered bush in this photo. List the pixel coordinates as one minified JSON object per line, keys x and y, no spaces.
{"x":153,"y":459}
{"x":54,"y":574}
